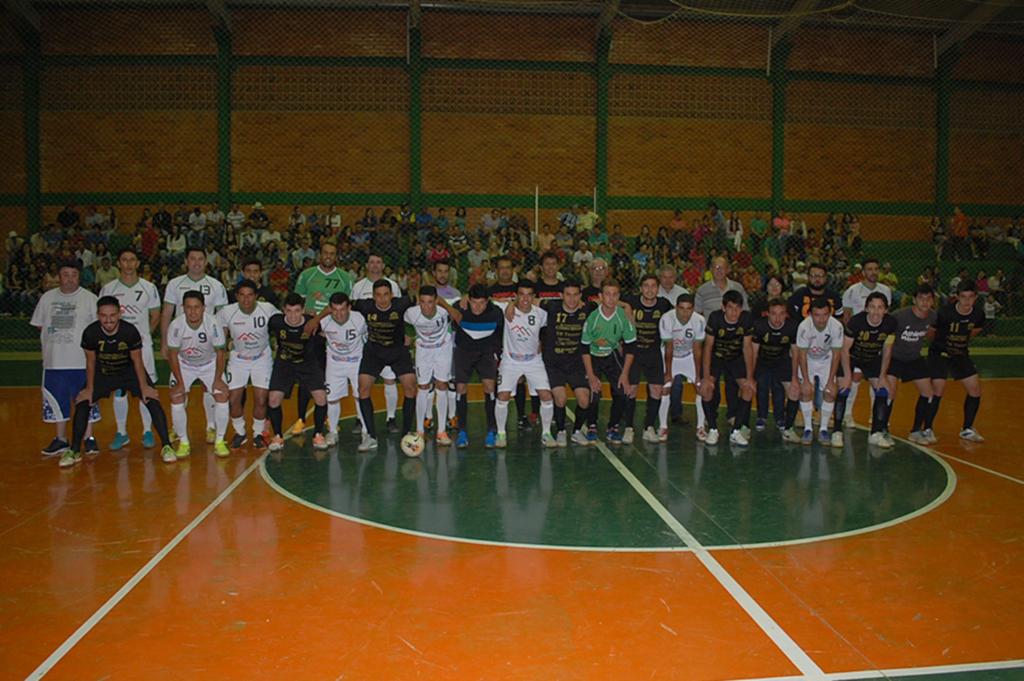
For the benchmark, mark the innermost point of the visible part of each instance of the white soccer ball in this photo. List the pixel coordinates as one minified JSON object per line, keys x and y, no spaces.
{"x":413,"y":444}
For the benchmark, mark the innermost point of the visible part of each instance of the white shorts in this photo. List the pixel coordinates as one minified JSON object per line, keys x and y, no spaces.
{"x":242,"y":371}
{"x":819,"y":372}
{"x":433,"y":363}
{"x":205,"y":374}
{"x":684,"y":366}
{"x":510,"y":370}
{"x":338,"y":376}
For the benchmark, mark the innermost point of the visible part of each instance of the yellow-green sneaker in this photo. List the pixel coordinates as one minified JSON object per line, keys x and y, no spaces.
{"x":184,"y":449}
{"x":69,"y":458}
{"x":168,"y":455}
{"x":211,"y":435}
{"x":221,"y":448}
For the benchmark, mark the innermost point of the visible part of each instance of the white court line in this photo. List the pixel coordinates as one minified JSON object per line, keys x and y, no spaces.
{"x":87,"y":626}
{"x":980,"y":468}
{"x":901,"y":673}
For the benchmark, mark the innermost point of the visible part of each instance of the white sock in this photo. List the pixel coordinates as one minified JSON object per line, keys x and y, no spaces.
{"x":807,"y":409}
{"x":700,"y":411}
{"x":826,"y":413}
{"x":453,"y":398}
{"x":121,"y":413}
{"x":238,"y":424}
{"x":333,"y":414}
{"x":147,"y":419}
{"x":258,"y":426}
{"x":501,"y":414}
{"x":666,"y":401}
{"x":547,"y":411}
{"x":442,"y":410}
{"x":210,"y":407}
{"x":179,"y":419}
{"x":423,"y":404}
{"x":222,"y":415}
{"x":391,"y":400}
{"x":850,"y":399}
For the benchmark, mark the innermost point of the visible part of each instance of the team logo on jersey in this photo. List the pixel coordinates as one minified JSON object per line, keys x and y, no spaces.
{"x":247,"y":337}
{"x":122,"y":346}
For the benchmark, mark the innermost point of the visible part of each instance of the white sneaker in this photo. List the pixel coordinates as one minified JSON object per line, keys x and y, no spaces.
{"x":549,"y":441}
{"x":580,"y":438}
{"x":702,"y":435}
{"x":332,"y":438}
{"x":877,"y":440}
{"x":663,"y":435}
{"x":650,"y":435}
{"x":443,"y":440}
{"x":837,"y":439}
{"x":848,"y":421}
{"x":918,"y":437}
{"x":889,"y":440}
{"x":712,"y":437}
{"x":628,"y":436}
{"x":367,"y":443}
{"x":562,"y":440}
{"x":930,"y":434}
{"x":971,"y":435}
{"x":738,"y":438}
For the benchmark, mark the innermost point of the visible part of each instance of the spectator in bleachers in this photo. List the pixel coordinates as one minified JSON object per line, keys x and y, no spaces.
{"x":597,"y":235}
{"x":15,"y":299}
{"x":162,"y":218}
{"x":709,"y":295}
{"x":296,"y":218}
{"x":12,"y":247}
{"x":995,"y":286}
{"x":301,"y":254}
{"x":458,"y":241}
{"x":182,"y":216}
{"x":106,"y":272}
{"x":69,"y":218}
{"x":981,"y":283}
{"x":442,"y":221}
{"x":994,"y":232}
{"x":51,"y":279}
{"x":459,"y":221}
{"x":643,"y":239}
{"x":215,"y":217}
{"x":235,"y":218}
{"x":110,"y":221}
{"x":587,"y":220}
{"x":856,"y":276}
{"x":37,"y":241}
{"x":258,"y":218}
{"x":961,"y":275}
{"x":1015,"y":233}
{"x":490,"y":224}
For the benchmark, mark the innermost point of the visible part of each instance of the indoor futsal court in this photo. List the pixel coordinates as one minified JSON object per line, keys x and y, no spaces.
{"x":668,"y":561}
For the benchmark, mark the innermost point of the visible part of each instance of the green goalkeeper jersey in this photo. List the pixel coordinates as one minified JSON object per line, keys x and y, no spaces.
{"x":603,"y":334}
{"x":317,"y":286}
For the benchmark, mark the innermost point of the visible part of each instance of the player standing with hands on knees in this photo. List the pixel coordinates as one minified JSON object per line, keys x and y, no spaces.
{"x":867,"y":348}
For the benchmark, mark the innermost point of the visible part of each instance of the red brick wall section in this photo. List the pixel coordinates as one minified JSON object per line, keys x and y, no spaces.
{"x":508,"y":154}
{"x":320,"y":152}
{"x":985,"y":167}
{"x":989,"y":58}
{"x":126,"y":30}
{"x":860,"y":51}
{"x":319,"y":32}
{"x":12,"y":173}
{"x":479,"y":36}
{"x":94,"y":151}
{"x":680,"y":43}
{"x":9,"y":41}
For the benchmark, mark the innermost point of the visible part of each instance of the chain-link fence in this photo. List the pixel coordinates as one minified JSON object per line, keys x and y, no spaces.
{"x":822,"y":131}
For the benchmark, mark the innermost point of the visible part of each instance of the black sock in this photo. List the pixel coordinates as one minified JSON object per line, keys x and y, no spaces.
{"x":319,"y":418}
{"x":932,"y":411}
{"x":595,"y":408}
{"x":711,"y":410}
{"x":366,"y":408}
{"x":156,"y":412}
{"x":409,"y":415}
{"x":276,"y":417}
{"x":878,"y":414}
{"x":792,"y":409}
{"x":490,"y":399}
{"x":971,"y":405}
{"x":581,"y":418}
{"x":462,"y":411}
{"x":559,"y":419}
{"x":79,"y":424}
{"x":653,"y":407}
{"x":521,"y":400}
{"x":535,"y":404}
{"x":618,"y":407}
{"x":920,"y":413}
{"x":303,"y":401}
{"x":742,"y":414}
{"x":839,"y":413}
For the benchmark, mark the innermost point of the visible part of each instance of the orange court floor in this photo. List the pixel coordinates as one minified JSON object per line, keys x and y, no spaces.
{"x":124,"y":567}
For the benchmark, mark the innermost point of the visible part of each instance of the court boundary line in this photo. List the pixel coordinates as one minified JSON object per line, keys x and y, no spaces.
{"x":56,"y":656}
{"x":901,"y":672}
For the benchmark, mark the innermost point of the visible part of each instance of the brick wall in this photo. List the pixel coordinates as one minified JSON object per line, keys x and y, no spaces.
{"x":12,"y":173}
{"x":536,"y":38}
{"x":986,"y":151}
{"x":79,"y":30}
{"x":689,"y":44}
{"x":987,"y":58}
{"x":893,"y":53}
{"x":319,"y":32}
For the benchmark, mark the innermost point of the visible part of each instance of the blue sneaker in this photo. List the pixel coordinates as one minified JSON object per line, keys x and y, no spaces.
{"x":120,"y":440}
{"x":592,"y":435}
{"x":463,"y":440}
{"x":759,"y":426}
{"x":808,"y":437}
{"x":148,"y":440}
{"x":490,"y":440}
{"x":613,"y":437}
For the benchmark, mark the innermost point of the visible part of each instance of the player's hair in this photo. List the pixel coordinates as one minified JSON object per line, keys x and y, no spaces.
{"x":572,"y":283}
{"x":194,"y":248}
{"x":428,"y":290}
{"x":442,"y":261}
{"x":685,"y":298}
{"x":382,"y":283}
{"x":867,"y":262}
{"x":966,"y":285}
{"x":876,"y":295}
{"x":127,"y":249}
{"x":340,"y":298}
{"x":775,"y":302}
{"x":252,"y":261}
{"x":648,"y":277}
{"x":820,"y":302}
{"x":924,"y":290}
{"x":73,"y":264}
{"x":293,"y":299}
{"x":734,"y":297}
{"x":548,"y":255}
{"x":610,"y":281}
{"x":478,"y":291}
{"x":107,"y":300}
{"x":526,"y":283}
{"x":246,"y":283}
{"x":193,"y":294}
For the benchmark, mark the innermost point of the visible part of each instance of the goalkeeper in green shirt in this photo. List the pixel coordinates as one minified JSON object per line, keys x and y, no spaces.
{"x":606,"y":329}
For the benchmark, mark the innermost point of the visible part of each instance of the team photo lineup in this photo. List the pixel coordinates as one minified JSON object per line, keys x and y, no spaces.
{"x":538,"y":336}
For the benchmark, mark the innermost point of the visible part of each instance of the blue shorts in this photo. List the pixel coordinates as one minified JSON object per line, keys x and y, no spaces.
{"x":60,"y":387}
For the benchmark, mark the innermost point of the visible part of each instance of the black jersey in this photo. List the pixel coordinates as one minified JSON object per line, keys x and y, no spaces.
{"x":728,"y":335}
{"x":953,"y":330}
{"x":773,"y":344}
{"x":563,"y":335}
{"x":384,"y":328}
{"x":647,"y":320}
{"x":800,"y":303}
{"x":502,"y":293}
{"x":264,"y":294}
{"x":543,"y":291}
{"x":480,"y":332}
{"x":592,"y":294}
{"x":113,"y":351}
{"x":294,"y":345}
{"x":868,"y":340}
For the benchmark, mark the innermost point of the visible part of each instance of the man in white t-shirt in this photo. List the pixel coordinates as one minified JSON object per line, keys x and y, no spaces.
{"x":683,"y":335}
{"x":61,"y":316}
{"x":345,"y":332}
{"x":853,"y":303}
{"x":819,"y":344}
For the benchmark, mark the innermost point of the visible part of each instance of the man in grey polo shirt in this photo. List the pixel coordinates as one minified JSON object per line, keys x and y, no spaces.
{"x":709,"y":296}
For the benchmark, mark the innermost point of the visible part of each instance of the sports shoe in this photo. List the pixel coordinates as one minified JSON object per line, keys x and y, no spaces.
{"x":523,"y":423}
{"x":663,"y":435}
{"x":320,"y":442}
{"x":562,"y":439}
{"x":259,"y":442}
{"x":172,"y":435}
{"x":837,"y":439}
{"x":650,"y":435}
{"x":392,"y":426}
{"x":628,"y":435}
{"x":90,"y":446}
{"x":549,"y":441}
{"x":918,"y":437}
{"x":331,"y":438}
{"x":428,"y":423}
{"x":463,"y":441}
{"x":580,"y":438}
{"x":357,"y":427}
{"x":808,"y":437}
{"x":367,"y":443}
{"x":702,"y":435}
{"x":58,"y":446}
{"x":533,"y":419}
{"x":69,"y":458}
{"x":877,"y":440}
{"x":789,"y":435}
{"x":824,"y":437}
{"x":220,"y":448}
{"x":167,"y":454}
{"x":737,"y":437}
{"x":848,"y":421}
{"x":781,"y":426}
{"x":148,"y":441}
{"x":612,"y":437}
{"x":930,"y":434}
{"x":591,"y":436}
{"x":759,"y":426}
{"x":442,"y":438}
{"x":184,"y":449}
{"x":491,"y":440}
{"x":297,"y":427}
{"x":500,"y":441}
{"x":237,"y":441}
{"x":971,"y":435}
{"x":453,"y":423}
{"x":120,"y":440}
{"x":888,"y":439}
{"x":276,"y":443}
{"x":211,"y":436}
{"x":712,"y":437}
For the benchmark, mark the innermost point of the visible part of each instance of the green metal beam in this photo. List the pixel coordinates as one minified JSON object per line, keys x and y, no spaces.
{"x":224,"y":72}
{"x":32,"y":71}
{"x":415,"y":116}
{"x":779,"y":79}
{"x":943,"y":85}
{"x":603,"y":82}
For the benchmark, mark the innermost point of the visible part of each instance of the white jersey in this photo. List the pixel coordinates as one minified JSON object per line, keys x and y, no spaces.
{"x":214,"y":294}
{"x":363,"y":289}
{"x":855,"y":297}
{"x":344,"y":341}
{"x":431,"y":332}
{"x":61,"y":319}
{"x":820,"y":344}
{"x":683,"y":336}
{"x":522,"y":334}
{"x":196,"y":347}
{"x":249,"y":332}
{"x":136,"y":303}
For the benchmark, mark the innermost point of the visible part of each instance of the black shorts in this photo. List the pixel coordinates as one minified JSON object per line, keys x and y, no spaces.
{"x":650,"y":363}
{"x":783,"y":371}
{"x":610,"y":368}
{"x":909,"y":371}
{"x":464,"y":361}
{"x":959,"y":368}
{"x":375,"y":358}
{"x":566,"y":370}
{"x":285,"y":374}
{"x":870,"y":369}
{"x":734,"y":368}
{"x":103,"y":386}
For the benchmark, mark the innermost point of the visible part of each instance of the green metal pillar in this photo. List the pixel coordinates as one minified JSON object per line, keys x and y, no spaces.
{"x":943,"y":104}
{"x":603,"y":80}
{"x":32,"y":71}
{"x":779,"y":80}
{"x":415,"y":117}
{"x":224,"y":75}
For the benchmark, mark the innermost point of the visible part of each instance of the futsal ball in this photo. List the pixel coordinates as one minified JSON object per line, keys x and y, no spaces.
{"x":413,"y":444}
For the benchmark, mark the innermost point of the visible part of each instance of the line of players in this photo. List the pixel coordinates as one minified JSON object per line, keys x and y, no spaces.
{"x":574,"y":337}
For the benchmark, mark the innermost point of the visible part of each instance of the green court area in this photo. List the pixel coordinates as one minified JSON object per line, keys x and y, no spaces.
{"x":575,"y":497}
